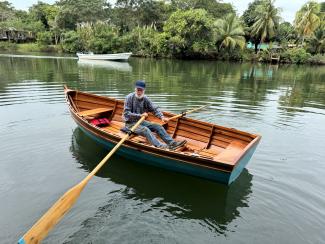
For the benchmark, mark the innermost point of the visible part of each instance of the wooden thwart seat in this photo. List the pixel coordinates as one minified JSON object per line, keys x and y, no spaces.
{"x":94,"y":111}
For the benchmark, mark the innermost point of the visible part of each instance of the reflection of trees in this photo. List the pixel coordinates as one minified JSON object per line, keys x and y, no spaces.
{"x":16,"y":69}
{"x":304,"y":89}
{"x":255,"y":81}
{"x":183,"y":82}
{"x":196,"y":198}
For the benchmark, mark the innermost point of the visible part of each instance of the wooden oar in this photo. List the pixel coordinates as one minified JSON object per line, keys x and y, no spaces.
{"x":42,"y":227}
{"x":188,"y":112}
{"x":165,"y":124}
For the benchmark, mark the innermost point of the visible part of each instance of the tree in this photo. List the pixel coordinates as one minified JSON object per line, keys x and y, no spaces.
{"x":316,"y":44}
{"x":215,"y":8}
{"x":12,"y":19}
{"x":127,"y":9}
{"x":46,"y":14}
{"x":285,"y":32}
{"x":229,"y":32}
{"x":250,"y":13}
{"x":72,"y":12}
{"x":153,"y":13}
{"x":307,"y":19}
{"x":266,"y":21}
{"x":6,"y":11}
{"x":249,"y":17}
{"x":38,"y":13}
{"x":189,"y":32}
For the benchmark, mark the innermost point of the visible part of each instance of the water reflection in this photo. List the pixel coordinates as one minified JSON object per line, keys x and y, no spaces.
{"x":121,"y":66}
{"x":181,"y":196}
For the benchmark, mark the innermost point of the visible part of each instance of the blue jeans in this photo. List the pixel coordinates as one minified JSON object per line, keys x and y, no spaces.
{"x":146,"y":128}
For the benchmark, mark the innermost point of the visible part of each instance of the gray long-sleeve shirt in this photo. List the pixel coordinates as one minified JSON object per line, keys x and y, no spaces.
{"x":134,"y":107}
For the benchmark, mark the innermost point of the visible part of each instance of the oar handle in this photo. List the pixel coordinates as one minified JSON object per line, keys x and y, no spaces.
{"x":95,"y":170}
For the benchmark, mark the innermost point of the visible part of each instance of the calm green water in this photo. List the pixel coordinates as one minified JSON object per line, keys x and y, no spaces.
{"x":279,"y":198}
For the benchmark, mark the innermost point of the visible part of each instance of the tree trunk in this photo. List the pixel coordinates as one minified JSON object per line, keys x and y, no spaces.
{"x":56,"y":39}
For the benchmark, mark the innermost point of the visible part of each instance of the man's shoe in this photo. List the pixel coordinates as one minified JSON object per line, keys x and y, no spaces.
{"x":176,"y":144}
{"x":163,"y":146}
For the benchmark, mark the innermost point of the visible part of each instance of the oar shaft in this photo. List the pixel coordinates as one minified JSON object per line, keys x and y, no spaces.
{"x":187,"y":112}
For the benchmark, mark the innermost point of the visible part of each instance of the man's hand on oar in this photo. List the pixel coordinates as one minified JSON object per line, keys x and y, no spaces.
{"x":43,"y":226}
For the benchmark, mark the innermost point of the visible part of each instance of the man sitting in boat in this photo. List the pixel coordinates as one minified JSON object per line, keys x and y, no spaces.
{"x":137,"y":105}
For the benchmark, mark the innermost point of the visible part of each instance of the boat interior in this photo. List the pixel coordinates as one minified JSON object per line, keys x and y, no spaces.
{"x":205,"y":140}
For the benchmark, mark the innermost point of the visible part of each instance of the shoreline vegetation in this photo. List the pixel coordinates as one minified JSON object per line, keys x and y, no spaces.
{"x":183,"y":29}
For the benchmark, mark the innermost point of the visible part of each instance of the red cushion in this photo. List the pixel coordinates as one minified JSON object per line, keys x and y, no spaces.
{"x":100,"y":122}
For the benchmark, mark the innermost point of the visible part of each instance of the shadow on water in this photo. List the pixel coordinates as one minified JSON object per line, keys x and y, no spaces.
{"x":195,"y":198}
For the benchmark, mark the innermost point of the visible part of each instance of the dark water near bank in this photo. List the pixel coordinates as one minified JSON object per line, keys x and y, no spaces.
{"x":279,"y":198}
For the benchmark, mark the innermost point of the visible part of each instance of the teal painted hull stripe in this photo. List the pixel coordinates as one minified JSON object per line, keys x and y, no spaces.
{"x":21,"y":241}
{"x":174,"y":165}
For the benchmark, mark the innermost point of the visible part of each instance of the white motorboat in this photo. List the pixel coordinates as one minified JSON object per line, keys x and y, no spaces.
{"x":111,"y":56}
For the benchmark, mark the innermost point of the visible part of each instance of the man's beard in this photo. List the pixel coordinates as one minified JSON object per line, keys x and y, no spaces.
{"x":139,"y":97}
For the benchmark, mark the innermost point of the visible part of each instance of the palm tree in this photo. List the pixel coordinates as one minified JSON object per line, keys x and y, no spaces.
{"x":317,"y":41}
{"x":266,"y":21}
{"x":307,"y":19}
{"x":229,"y":32}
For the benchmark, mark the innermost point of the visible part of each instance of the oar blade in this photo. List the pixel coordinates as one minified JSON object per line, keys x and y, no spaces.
{"x":41,"y":228}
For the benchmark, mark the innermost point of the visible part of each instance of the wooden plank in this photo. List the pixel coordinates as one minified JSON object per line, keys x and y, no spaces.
{"x":117,"y":117}
{"x":197,"y":124}
{"x":192,"y":136}
{"x":234,"y":135}
{"x":94,"y":111}
{"x":102,"y":102}
{"x":202,"y":139}
{"x":219,"y":143}
{"x":191,"y":142}
{"x":207,"y":126}
{"x":85,"y":105}
{"x":194,"y":129}
{"x":230,"y":153}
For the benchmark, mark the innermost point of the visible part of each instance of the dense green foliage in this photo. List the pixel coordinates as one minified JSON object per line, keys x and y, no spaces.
{"x":295,"y":55}
{"x":160,"y":28}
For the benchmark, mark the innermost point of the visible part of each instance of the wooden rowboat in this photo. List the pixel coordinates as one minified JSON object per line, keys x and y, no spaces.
{"x":213,"y":152}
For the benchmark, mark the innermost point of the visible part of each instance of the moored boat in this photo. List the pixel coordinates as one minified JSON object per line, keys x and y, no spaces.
{"x":213,"y":152}
{"x":110,"y":56}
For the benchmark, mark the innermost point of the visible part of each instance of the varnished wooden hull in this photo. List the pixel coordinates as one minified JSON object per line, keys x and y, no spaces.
{"x":183,"y":162}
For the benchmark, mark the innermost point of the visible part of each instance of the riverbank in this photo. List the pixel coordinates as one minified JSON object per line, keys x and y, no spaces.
{"x":289,"y":56}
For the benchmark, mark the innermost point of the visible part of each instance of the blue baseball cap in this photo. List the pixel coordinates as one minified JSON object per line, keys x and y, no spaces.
{"x":140,"y":84}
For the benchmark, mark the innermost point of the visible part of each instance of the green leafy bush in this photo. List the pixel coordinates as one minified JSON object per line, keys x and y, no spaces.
{"x":317,"y":59}
{"x":189,"y":32}
{"x":295,"y":55}
{"x":71,"y":42}
{"x":8,"y":46}
{"x":44,"y":38}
